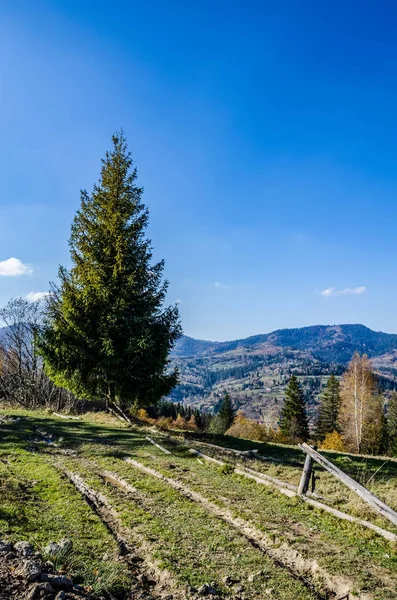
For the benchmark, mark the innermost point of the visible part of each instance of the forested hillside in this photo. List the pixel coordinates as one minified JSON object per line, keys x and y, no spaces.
{"x":256,"y":370}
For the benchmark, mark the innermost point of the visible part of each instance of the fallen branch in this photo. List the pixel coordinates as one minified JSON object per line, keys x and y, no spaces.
{"x":273,"y":480}
{"x":252,"y":453}
{"x":290,"y":463}
{"x":116,"y":415}
{"x":209,"y":458}
{"x":122,"y":413}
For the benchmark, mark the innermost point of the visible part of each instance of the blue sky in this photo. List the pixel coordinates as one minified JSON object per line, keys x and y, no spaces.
{"x":265,"y":135}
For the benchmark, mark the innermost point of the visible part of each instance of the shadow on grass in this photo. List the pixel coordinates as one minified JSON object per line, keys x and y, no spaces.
{"x":39,"y":433}
{"x":29,"y":431}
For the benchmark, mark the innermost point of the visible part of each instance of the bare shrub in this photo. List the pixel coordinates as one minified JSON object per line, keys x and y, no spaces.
{"x":22,"y":377}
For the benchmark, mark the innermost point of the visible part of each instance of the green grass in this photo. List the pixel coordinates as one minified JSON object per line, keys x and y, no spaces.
{"x":38,"y":505}
{"x":341,"y":547}
{"x":186,"y":539}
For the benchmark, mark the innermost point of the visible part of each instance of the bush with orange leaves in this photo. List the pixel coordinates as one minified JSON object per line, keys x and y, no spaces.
{"x":246,"y":428}
{"x":181,"y":423}
{"x":142,"y":415}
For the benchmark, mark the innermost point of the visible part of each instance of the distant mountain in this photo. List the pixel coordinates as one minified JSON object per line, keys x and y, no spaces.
{"x":255,"y":370}
{"x":335,"y":343}
{"x":188,"y":346}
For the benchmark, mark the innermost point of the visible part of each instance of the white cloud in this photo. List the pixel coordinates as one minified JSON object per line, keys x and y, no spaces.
{"x":13,"y":267}
{"x":346,"y":291}
{"x":220,"y":285}
{"x":35,"y":296}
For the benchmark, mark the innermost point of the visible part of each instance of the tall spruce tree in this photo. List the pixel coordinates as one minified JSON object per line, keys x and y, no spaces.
{"x":226,"y":413}
{"x":293,"y":418}
{"x":224,"y":418}
{"x":328,"y":410}
{"x":392,"y":424}
{"x":108,"y":333}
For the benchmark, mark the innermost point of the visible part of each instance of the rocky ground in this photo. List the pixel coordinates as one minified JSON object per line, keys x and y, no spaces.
{"x":24,"y":575}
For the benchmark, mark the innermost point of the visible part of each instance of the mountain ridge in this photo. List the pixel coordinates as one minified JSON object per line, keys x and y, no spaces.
{"x":346,"y":338}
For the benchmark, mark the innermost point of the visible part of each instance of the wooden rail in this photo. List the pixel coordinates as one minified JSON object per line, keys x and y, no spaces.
{"x":158,"y":445}
{"x":356,"y":487}
{"x":291,"y":490}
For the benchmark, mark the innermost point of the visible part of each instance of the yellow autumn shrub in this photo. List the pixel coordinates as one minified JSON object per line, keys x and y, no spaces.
{"x":333,"y":441}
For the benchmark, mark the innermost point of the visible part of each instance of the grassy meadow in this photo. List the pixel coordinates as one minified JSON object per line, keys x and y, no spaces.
{"x":190,"y":542}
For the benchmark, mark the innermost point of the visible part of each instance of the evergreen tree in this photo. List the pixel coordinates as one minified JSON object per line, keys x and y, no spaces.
{"x":392,"y":424}
{"x":293,"y":418}
{"x":328,"y":410}
{"x":107,"y":332}
{"x":224,"y":418}
{"x":226,"y":412}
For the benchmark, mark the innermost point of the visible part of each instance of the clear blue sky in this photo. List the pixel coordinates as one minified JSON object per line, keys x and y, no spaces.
{"x":265,"y":135}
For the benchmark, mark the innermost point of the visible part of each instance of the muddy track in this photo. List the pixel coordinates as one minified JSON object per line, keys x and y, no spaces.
{"x":121,"y":485}
{"x":306,"y":570}
{"x":150,"y":581}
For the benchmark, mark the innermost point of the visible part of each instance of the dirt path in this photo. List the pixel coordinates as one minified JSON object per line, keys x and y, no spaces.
{"x":307,"y":570}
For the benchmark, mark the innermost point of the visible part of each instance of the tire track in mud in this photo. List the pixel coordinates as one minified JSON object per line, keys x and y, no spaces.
{"x":135,"y":551}
{"x":308,"y":571}
{"x":113,"y":479}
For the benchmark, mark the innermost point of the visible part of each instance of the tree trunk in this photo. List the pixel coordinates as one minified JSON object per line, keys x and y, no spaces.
{"x":111,"y":396}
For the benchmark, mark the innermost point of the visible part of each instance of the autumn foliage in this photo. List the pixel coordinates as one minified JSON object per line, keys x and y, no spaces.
{"x":333,"y":441}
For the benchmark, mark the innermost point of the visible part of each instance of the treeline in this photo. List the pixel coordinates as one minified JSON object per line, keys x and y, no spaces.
{"x":176,"y":413}
{"x":353,"y":414}
{"x":172,"y":415}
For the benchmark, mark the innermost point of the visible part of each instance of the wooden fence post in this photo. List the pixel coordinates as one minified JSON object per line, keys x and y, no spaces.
{"x":305,"y":478}
{"x":377,"y":504}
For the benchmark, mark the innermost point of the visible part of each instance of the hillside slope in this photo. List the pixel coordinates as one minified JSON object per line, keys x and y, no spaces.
{"x":148,"y":525}
{"x":256,"y":370}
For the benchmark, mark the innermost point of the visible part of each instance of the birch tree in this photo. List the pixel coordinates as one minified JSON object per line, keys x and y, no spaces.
{"x":360,"y":412}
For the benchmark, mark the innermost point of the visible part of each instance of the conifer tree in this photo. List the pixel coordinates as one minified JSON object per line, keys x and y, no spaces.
{"x":293,"y":418}
{"x":392,"y":424}
{"x":108,"y":333}
{"x":328,"y":410}
{"x":224,"y":418}
{"x":226,"y":412}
